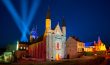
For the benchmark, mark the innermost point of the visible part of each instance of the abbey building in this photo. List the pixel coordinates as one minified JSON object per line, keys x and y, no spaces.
{"x":55,"y":40}
{"x":50,"y":46}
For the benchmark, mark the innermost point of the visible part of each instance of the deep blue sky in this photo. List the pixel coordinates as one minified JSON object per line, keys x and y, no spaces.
{"x":85,"y":19}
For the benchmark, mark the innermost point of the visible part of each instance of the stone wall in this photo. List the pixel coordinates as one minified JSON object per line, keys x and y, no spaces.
{"x":71,"y":48}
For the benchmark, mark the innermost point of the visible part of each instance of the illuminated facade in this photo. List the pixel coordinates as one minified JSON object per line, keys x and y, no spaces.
{"x":22,"y":49}
{"x":80,"y":46}
{"x":95,"y":46}
{"x":89,"y":47}
{"x":23,"y":45}
{"x":99,"y":46}
{"x":55,"y":40}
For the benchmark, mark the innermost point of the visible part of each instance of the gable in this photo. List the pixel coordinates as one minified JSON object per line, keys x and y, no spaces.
{"x":58,"y":30}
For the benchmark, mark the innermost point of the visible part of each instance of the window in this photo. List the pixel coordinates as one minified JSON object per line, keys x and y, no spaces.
{"x":57,"y":46}
{"x":24,"y":47}
{"x":21,"y":48}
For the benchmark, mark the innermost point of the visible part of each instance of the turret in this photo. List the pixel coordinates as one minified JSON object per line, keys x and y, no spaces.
{"x":33,"y":34}
{"x":99,"y":40}
{"x":63,"y":27}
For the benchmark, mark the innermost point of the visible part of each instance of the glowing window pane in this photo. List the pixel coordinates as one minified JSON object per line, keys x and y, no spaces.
{"x":58,"y":46}
{"x":24,"y":47}
{"x":21,"y":48}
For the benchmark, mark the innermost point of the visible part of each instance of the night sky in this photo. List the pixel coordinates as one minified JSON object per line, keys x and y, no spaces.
{"x":85,"y":19}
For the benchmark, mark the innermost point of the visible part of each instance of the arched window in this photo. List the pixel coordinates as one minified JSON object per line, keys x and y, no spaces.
{"x":57,"y":46}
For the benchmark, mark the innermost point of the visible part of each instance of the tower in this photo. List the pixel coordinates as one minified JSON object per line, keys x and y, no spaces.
{"x":99,"y":40}
{"x":64,"y":37}
{"x":48,"y":21}
{"x":47,"y":35}
{"x":33,"y":35}
{"x":63,"y":27}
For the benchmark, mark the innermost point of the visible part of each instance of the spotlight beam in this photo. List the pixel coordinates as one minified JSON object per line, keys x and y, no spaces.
{"x":24,"y":23}
{"x":20,"y":23}
{"x":33,"y":9}
{"x":24,"y":37}
{"x":24,"y":15}
{"x":24,"y":9}
{"x":13,"y":12}
{"x":32,"y":12}
{"x":15,"y":16}
{"x":24,"y":4}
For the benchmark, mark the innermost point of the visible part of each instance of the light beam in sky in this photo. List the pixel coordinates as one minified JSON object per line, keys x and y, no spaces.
{"x":23,"y":22}
{"x":33,"y":9}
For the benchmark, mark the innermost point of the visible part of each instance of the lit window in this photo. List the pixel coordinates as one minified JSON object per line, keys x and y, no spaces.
{"x":24,"y":47}
{"x":21,"y":48}
{"x":57,"y":45}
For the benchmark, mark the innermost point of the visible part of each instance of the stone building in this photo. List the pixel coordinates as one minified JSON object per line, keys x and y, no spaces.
{"x":95,"y":46}
{"x":73,"y":47}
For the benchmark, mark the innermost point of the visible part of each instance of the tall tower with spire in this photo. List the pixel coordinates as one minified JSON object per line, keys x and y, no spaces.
{"x":55,"y":39}
{"x":48,"y":21}
{"x":63,"y":27}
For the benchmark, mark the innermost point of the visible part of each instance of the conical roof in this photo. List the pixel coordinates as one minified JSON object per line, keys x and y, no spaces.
{"x":48,"y":14}
{"x":63,"y":22}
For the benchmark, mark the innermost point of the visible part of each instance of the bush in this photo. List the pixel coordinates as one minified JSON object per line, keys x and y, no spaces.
{"x":88,"y":53}
{"x":100,"y":52}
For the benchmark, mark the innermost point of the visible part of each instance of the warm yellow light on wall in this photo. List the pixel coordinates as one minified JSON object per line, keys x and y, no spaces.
{"x":88,"y":49}
{"x":102,"y":48}
{"x":57,"y":57}
{"x":48,"y":24}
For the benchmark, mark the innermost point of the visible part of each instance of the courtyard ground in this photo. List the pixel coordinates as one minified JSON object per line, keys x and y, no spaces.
{"x":85,"y":60}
